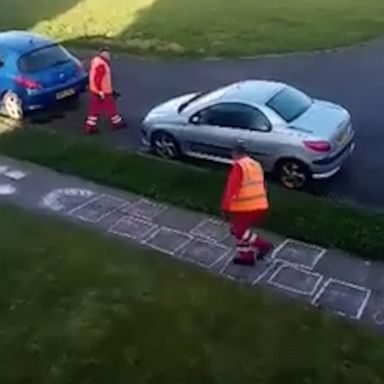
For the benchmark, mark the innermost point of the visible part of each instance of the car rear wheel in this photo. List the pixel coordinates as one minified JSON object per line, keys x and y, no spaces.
{"x":13,"y":106}
{"x":293,"y":174}
{"x":165,"y":145}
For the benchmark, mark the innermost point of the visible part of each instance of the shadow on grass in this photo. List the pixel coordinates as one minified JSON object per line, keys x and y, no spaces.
{"x":243,"y":27}
{"x":18,"y":14}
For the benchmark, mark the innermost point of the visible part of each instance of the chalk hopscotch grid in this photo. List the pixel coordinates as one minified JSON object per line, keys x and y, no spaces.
{"x":52,"y":199}
{"x":291,"y":289}
{"x":136,"y":209}
{"x":128,"y":219}
{"x":182,"y":250}
{"x":359,"y":312}
{"x":269,"y":268}
{"x":321,"y":253}
{"x":196,"y":231}
{"x":168,"y":230}
{"x":100,"y":217}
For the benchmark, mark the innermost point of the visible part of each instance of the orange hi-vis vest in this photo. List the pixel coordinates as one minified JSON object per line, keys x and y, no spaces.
{"x":252,"y":195}
{"x":106,"y":84}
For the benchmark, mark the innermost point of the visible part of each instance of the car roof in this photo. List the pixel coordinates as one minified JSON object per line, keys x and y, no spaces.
{"x":251,"y":91}
{"x":22,"y":41}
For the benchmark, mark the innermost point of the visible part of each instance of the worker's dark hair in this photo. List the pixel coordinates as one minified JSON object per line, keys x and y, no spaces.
{"x":239,"y":149}
{"x":103,"y":49}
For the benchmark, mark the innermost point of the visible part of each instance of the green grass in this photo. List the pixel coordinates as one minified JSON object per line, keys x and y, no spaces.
{"x":201,"y":27}
{"x":292,"y":214}
{"x":78,"y":308}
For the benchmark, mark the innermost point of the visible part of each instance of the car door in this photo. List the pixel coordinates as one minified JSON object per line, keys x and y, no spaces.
{"x":257,"y":135}
{"x":209,"y":132}
{"x":214,"y":131}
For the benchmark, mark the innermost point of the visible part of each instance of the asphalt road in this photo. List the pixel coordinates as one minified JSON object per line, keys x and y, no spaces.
{"x":352,"y":77}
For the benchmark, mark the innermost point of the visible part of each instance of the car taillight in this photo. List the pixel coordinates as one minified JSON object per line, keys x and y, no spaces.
{"x":27,"y":83}
{"x":318,"y":146}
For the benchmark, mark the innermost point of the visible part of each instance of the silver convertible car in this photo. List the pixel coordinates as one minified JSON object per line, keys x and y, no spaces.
{"x":295,"y":137}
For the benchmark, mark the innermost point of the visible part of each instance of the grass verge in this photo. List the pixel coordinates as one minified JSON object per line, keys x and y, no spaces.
{"x":301,"y":216}
{"x":201,"y":27}
{"x":79,"y":308}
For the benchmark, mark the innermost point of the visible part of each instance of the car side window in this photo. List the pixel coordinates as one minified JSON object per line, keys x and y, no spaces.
{"x":234,"y":115}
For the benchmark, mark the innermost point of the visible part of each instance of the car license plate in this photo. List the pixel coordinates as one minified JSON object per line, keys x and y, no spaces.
{"x":64,"y":94}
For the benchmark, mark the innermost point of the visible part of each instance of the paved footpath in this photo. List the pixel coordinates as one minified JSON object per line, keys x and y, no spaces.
{"x":329,"y":279}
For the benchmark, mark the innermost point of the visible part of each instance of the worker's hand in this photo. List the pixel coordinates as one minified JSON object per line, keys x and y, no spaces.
{"x":101,"y":95}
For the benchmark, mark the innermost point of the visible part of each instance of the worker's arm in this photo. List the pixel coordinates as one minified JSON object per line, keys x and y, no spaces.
{"x":232,"y":187}
{"x":100,"y":72}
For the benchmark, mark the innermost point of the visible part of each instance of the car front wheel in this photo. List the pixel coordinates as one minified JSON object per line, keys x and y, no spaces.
{"x":293,"y":174}
{"x":165,"y":145}
{"x":13,"y":106}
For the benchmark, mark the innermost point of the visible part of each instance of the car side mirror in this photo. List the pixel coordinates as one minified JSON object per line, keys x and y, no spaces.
{"x":195,"y":120}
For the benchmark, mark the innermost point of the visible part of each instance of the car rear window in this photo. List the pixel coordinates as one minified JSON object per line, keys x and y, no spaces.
{"x":43,"y":58}
{"x":290,"y":103}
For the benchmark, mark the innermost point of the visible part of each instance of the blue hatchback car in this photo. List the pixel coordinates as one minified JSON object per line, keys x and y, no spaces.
{"x":35,"y":73}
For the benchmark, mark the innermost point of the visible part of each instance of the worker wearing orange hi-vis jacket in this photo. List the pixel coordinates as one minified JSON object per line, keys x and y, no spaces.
{"x":102,"y":94}
{"x":245,"y":203}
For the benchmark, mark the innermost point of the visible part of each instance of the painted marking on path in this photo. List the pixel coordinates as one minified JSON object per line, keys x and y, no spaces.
{"x":15,"y":174}
{"x":54,"y":200}
{"x":336,"y":298}
{"x":7,"y":189}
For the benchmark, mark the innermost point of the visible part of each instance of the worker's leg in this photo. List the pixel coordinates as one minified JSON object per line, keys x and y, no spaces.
{"x":241,"y":223}
{"x":111,"y":111}
{"x":94,"y":110}
{"x":262,"y":245}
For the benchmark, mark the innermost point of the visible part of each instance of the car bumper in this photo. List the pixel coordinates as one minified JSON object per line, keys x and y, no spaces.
{"x":327,"y":168}
{"x":46,"y":98}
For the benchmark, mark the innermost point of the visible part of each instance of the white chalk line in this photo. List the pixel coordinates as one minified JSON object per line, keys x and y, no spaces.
{"x":160,"y":230}
{"x":196,"y":231}
{"x":98,"y":219}
{"x":311,"y":266}
{"x":226,"y":251}
{"x":292,"y":289}
{"x":363,"y":304}
{"x":160,"y":208}
{"x":128,"y":219}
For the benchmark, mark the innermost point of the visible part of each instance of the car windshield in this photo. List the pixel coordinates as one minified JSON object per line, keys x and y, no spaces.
{"x":290,"y":103}
{"x":43,"y":58}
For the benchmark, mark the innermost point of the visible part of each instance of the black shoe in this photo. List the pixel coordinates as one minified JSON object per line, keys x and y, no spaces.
{"x":120,"y":126}
{"x":242,"y":261}
{"x":262,"y":252}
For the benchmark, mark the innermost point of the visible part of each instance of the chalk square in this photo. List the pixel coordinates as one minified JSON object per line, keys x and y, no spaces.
{"x":3,"y":169}
{"x":15,"y":175}
{"x":295,"y":280}
{"x":145,"y":209}
{"x":204,"y":253}
{"x":299,"y":254}
{"x":132,"y":228}
{"x":247,"y":274}
{"x":168,"y":240}
{"x":97,"y":209}
{"x":373,"y":313}
{"x":179,"y":219}
{"x":343,"y":298}
{"x":212,"y":230}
